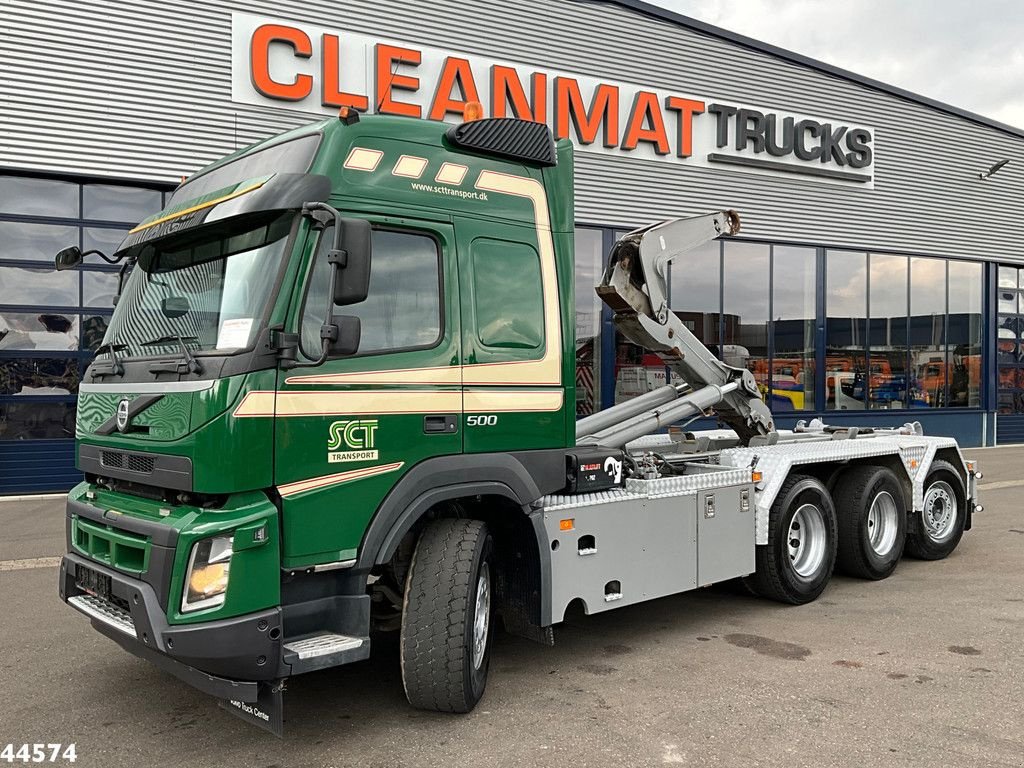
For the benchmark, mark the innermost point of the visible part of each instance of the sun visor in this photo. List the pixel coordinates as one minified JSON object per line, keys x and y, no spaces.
{"x":276,"y":192}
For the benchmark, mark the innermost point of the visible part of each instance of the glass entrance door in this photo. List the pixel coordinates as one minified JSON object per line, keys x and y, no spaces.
{"x":1010,"y":355}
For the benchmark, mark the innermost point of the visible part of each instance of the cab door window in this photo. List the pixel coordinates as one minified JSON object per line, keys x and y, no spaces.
{"x":507,"y":295}
{"x":402,"y":310}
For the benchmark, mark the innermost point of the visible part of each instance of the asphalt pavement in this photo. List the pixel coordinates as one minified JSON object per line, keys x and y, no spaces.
{"x":923,"y":669}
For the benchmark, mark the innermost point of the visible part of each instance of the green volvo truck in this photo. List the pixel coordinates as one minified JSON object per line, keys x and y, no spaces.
{"x":337,"y":398}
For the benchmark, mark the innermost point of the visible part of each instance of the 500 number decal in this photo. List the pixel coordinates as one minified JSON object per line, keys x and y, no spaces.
{"x":488,"y":420}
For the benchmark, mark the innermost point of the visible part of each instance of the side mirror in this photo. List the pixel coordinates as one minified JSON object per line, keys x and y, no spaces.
{"x":174,"y":307}
{"x":69,"y":258}
{"x":351,"y":253}
{"x":349,"y":331}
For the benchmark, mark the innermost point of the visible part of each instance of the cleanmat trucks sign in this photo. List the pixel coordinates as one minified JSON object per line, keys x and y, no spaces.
{"x":315,"y":69}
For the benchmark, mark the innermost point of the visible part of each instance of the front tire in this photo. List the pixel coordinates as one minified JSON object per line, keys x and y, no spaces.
{"x":872,"y":522}
{"x":940,"y":525}
{"x":796,"y":564}
{"x":446,"y":617}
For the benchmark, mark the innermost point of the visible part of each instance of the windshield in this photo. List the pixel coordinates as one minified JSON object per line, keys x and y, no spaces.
{"x":211,"y":288}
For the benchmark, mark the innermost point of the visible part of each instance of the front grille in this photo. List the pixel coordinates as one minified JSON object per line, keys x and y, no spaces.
{"x":119,"y":549}
{"x":133,"y":462}
{"x":140,"y":463}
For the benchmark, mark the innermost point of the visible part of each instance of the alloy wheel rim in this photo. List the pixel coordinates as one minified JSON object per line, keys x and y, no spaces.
{"x":481,"y":616}
{"x":883,"y":521}
{"x":940,"y":511}
{"x":806,"y":541}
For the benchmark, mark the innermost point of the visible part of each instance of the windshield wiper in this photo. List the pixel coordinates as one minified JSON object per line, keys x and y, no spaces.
{"x":115,"y":366}
{"x":193,"y":364}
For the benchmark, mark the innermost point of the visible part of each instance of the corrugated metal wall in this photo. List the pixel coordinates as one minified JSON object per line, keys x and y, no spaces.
{"x":143,"y":90}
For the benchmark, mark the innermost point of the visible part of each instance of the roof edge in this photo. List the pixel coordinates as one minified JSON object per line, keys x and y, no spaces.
{"x":664,"y":14}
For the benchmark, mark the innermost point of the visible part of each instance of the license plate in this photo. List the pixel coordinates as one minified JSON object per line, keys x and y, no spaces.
{"x":93,"y":582}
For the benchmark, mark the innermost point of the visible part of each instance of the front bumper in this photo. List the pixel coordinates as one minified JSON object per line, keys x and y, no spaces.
{"x":226,"y":658}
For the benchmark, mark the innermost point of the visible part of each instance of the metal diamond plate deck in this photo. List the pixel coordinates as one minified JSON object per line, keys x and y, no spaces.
{"x":559,"y":501}
{"x":677,"y":485}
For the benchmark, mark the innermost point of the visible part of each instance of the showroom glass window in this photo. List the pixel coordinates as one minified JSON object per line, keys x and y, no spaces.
{"x":902,"y":332}
{"x":964,"y":334}
{"x":794,"y":295}
{"x":589,"y":264}
{"x":1010,"y":340}
{"x":695,"y":296}
{"x":51,"y":322}
{"x":887,"y":331}
{"x":846,"y":306}
{"x":745,"y":284}
{"x":927,"y":333}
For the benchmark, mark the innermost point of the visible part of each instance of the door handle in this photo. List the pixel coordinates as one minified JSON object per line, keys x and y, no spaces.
{"x":440,"y":424}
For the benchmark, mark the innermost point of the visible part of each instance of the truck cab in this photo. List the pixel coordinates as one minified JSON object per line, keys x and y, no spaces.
{"x":268,"y":410}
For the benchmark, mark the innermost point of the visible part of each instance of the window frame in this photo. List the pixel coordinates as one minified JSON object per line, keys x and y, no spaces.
{"x":375,"y":227}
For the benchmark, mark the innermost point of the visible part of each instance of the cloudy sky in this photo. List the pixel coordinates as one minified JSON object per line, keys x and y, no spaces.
{"x":968,"y":54}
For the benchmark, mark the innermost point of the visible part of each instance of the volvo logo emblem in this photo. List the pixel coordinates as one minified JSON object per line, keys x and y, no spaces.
{"x":122,"y":415}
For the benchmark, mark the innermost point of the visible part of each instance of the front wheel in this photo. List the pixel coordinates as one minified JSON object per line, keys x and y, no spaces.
{"x":446,"y":617}
{"x":797,"y":562}
{"x":941,"y":523}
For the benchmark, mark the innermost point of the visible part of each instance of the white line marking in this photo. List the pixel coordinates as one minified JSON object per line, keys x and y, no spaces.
{"x":34,"y":497}
{"x":30,"y":562}
{"x":1000,"y":484}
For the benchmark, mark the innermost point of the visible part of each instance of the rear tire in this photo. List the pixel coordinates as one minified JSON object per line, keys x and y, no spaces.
{"x":872,"y":519}
{"x":446,"y":617}
{"x":940,"y":525}
{"x":795,"y":565}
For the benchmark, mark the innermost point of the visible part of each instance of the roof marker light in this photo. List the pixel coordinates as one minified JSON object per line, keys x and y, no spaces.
{"x":473,"y":110}
{"x":348,"y":116}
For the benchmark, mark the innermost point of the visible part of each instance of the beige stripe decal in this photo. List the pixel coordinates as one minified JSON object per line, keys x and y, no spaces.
{"x":255,"y":403}
{"x":544,"y":372}
{"x":547,"y":370}
{"x":504,"y":401}
{"x":449,"y":374}
{"x":348,"y":403}
{"x":319,"y":403}
{"x":313,"y":483}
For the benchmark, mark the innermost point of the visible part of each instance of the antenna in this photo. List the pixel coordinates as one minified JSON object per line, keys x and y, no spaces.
{"x":391,"y":77}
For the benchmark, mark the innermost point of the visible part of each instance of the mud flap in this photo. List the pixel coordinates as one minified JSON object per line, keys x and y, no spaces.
{"x":268,"y":711}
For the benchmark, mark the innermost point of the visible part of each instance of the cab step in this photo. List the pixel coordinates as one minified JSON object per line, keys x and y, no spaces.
{"x":324,"y":649}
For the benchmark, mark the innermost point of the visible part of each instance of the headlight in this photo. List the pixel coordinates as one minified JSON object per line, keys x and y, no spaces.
{"x":206,"y":580}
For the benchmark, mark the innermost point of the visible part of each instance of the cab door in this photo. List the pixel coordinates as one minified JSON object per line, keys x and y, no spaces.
{"x":346,"y":431}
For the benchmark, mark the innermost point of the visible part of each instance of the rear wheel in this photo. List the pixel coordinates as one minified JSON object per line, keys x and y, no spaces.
{"x":872,"y":522}
{"x":446,"y":617}
{"x":795,"y":565}
{"x":941,"y":523}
